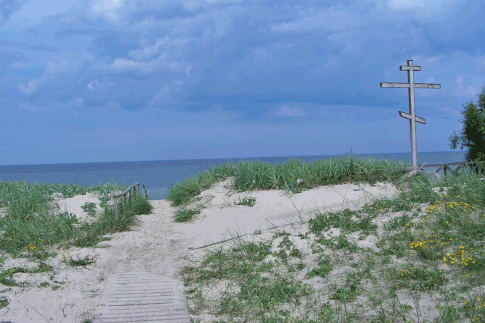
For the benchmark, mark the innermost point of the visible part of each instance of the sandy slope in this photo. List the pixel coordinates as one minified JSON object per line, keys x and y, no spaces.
{"x":160,"y":241}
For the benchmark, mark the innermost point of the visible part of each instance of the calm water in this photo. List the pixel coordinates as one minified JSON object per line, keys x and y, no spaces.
{"x":158,"y":175}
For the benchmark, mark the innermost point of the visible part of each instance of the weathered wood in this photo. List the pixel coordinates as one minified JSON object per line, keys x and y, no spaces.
{"x":411,"y":173}
{"x":124,"y":195}
{"x":445,"y":167}
{"x":435,"y":165}
{"x":410,"y":68}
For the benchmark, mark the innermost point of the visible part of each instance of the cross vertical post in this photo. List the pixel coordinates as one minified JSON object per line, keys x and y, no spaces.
{"x":410,"y":68}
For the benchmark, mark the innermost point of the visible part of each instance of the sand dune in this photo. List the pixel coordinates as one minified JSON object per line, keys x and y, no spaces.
{"x":159,"y":241}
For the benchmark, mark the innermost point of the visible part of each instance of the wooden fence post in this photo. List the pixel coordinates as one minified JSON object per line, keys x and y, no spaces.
{"x":123,"y":195}
{"x":116,"y":209}
{"x":445,"y":167}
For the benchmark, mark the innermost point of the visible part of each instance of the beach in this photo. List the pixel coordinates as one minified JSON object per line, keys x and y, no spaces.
{"x":74,"y":294}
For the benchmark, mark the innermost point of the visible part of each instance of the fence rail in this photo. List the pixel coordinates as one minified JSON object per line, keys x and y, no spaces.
{"x":441,"y":166}
{"x":135,"y":187}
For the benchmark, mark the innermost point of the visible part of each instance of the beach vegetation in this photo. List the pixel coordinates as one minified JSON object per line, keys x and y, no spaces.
{"x":428,"y":263}
{"x":30,"y":227}
{"x":472,"y":135}
{"x":418,"y":257}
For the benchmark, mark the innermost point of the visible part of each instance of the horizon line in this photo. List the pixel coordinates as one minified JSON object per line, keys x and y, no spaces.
{"x":228,"y":158}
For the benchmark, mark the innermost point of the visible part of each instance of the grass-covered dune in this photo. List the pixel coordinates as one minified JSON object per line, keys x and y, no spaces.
{"x":431,"y":252}
{"x":430,"y":265}
{"x":31,"y":228}
{"x":256,"y":175}
{"x":29,"y":221}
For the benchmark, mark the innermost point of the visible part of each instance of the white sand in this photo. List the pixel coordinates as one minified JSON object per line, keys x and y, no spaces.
{"x":159,"y":241}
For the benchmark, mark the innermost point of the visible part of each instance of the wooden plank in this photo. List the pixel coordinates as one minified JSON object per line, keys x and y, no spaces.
{"x":408,"y":116}
{"x":142,"y":296}
{"x":416,"y":85}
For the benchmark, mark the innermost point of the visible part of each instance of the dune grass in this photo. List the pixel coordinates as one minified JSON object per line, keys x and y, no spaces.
{"x":433,"y":248}
{"x":429,"y":265}
{"x":30,"y":227}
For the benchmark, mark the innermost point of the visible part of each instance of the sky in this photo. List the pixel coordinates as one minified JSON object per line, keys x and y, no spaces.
{"x":112,"y":80}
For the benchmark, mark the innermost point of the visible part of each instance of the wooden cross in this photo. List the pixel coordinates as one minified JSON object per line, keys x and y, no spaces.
{"x":412,"y":114}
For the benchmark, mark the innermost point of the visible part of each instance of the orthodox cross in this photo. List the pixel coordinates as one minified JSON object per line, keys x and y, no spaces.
{"x":412,"y":114}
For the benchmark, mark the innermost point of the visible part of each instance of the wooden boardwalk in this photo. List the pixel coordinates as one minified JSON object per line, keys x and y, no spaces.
{"x":142,"y":296}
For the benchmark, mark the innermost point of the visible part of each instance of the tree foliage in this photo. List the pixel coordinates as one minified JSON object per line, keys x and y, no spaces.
{"x":473,"y":133}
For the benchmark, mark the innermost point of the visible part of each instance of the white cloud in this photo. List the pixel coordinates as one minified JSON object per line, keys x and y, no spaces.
{"x":32,"y":86}
{"x":72,"y":107}
{"x":58,"y":67}
{"x":418,"y":4}
{"x":459,"y":80}
{"x":468,"y":91}
{"x":100,"y":87}
{"x":150,"y":50}
{"x":162,"y":63}
{"x":122,"y":64}
{"x":433,"y":59}
{"x":166,"y":95}
{"x":27,"y":107}
{"x":286,"y":112}
{"x":473,"y":90}
{"x":406,"y":4}
{"x":187,"y":71}
{"x":107,"y":8}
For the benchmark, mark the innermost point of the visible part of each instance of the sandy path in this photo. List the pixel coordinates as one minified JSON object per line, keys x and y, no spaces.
{"x":159,"y":241}
{"x":150,"y":245}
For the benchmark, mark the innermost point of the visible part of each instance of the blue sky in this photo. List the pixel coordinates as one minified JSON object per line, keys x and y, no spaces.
{"x":105,"y":81}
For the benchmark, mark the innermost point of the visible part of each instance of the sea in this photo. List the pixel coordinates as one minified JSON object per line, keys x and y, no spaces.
{"x":157,"y":176}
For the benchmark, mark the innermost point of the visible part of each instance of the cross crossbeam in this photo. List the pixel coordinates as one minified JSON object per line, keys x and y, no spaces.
{"x":410,"y":68}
